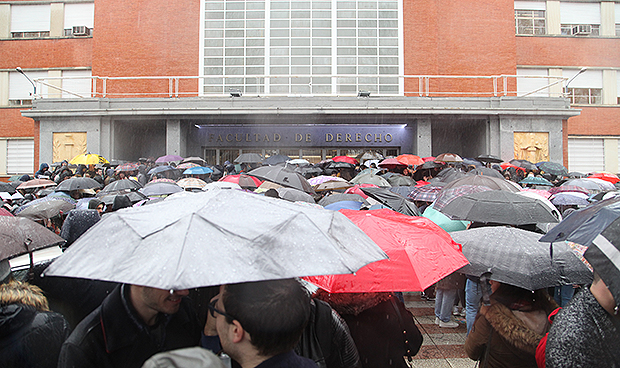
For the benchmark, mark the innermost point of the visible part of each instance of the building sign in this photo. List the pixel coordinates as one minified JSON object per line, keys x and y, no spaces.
{"x":304,"y":136}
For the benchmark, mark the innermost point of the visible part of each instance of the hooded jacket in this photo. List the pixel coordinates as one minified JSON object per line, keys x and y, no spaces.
{"x":514,"y":335}
{"x":30,"y":338}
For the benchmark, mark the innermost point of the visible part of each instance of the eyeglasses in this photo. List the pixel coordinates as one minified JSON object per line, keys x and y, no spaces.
{"x":214,"y":310}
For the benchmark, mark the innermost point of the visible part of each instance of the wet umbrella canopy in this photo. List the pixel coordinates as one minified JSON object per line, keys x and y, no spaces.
{"x":154,"y":189}
{"x":282,"y":176}
{"x":217,"y":237}
{"x":46,"y":209}
{"x":77,"y":183}
{"x":515,"y":257}
{"x":249,"y":158}
{"x":121,"y":185}
{"x":20,"y":235}
{"x":36,"y":183}
{"x":392,"y":200}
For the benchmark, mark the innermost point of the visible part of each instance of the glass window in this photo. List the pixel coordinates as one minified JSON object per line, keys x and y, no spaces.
{"x":530,"y":22}
{"x":585,"y":96}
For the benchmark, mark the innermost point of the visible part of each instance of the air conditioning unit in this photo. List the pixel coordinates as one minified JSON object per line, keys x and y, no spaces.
{"x":581,"y":29}
{"x":80,"y":31}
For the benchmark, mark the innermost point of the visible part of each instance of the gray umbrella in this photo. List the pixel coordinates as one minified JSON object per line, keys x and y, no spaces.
{"x":401,"y":181}
{"x":516,"y":257}
{"x":217,"y":237}
{"x":120,"y":185}
{"x":77,"y":183}
{"x":46,"y":209}
{"x":283,"y":176}
{"x":486,"y":171}
{"x":249,"y":158}
{"x":108,"y":198}
{"x":498,"y":206}
{"x":20,"y":235}
{"x":294,"y":195}
{"x":484,"y":180}
{"x":392,"y":200}
{"x":338,"y":197}
{"x":161,"y":188}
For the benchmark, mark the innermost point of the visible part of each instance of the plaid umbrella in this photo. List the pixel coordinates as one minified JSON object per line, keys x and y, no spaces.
{"x":129,"y":166}
{"x":36,"y":183}
{"x":447,"y":195}
{"x":162,"y":180}
{"x":191,"y":183}
{"x":568,"y":188}
{"x":570,"y":199}
{"x":187,"y":165}
{"x":323,"y":178}
{"x":427,"y":193}
{"x":552,"y":168}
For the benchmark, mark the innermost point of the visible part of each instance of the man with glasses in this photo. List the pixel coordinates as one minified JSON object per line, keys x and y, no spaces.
{"x":132,"y":324}
{"x":259,"y":323}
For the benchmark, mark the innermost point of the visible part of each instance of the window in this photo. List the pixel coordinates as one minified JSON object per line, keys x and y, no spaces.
{"x":79,"y":19}
{"x":617,"y":17}
{"x":530,"y":22}
{"x":20,"y":89}
{"x":580,"y":29}
{"x":580,"y":19}
{"x":20,"y":156}
{"x":78,"y":82}
{"x":30,"y":21}
{"x":528,"y":81}
{"x":584,"y":96}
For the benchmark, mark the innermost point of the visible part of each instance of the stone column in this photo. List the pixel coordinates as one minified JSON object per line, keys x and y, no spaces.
{"x":175,"y":139}
{"x":423,"y":137}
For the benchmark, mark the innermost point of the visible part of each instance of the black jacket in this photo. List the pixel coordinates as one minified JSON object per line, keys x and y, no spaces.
{"x":114,"y":336}
{"x":29,"y":338}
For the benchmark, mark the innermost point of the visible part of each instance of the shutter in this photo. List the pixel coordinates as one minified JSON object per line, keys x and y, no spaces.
{"x":20,"y":156}
{"x":617,"y":13}
{"x":587,"y":79}
{"x":530,"y":5}
{"x":30,"y":18}
{"x":586,"y":155}
{"x":580,"y":13}
{"x":20,"y":88}
{"x":79,"y":14}
{"x":618,"y":83}
{"x":525,"y":85}
{"x":80,"y":86}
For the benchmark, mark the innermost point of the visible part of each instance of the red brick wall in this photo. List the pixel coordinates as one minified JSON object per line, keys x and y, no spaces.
{"x":595,"y":121}
{"x":147,"y":38}
{"x":13,"y":124}
{"x":568,"y":51}
{"x":64,"y":52}
{"x":458,"y":37}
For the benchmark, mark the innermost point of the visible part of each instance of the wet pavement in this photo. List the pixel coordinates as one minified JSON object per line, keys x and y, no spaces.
{"x":442,"y":347}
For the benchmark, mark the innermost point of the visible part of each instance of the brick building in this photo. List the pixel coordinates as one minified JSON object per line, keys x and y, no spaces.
{"x":473,"y":77}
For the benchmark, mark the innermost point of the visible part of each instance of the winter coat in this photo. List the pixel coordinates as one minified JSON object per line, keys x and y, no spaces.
{"x":114,"y":336}
{"x":76,"y":224}
{"x":454,"y":281}
{"x":30,"y":338}
{"x":43,"y":172}
{"x":514,"y":335}
{"x":584,"y":335}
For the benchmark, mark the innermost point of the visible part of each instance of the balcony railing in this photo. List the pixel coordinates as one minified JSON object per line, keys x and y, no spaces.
{"x":195,"y":86}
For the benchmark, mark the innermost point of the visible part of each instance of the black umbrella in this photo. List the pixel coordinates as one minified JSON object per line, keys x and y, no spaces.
{"x":399,"y":180}
{"x":429,"y":165}
{"x":76,"y":184}
{"x":9,"y":187}
{"x":486,"y":171}
{"x":484,"y":180}
{"x":403,"y":190}
{"x":121,"y":185}
{"x":161,"y":188}
{"x":490,"y":158}
{"x":392,"y":200}
{"x":552,"y":168}
{"x":108,"y":198}
{"x":276,"y":159}
{"x":19,"y":235}
{"x":309,"y":171}
{"x":76,"y":224}
{"x":498,"y":206}
{"x":160,"y":169}
{"x":514,"y":256}
{"x":249,"y":158}
{"x":450,"y":174}
{"x":282,"y":176}
{"x":604,"y":256}
{"x":340,"y":165}
{"x":46,"y":209}
{"x":524,"y":164}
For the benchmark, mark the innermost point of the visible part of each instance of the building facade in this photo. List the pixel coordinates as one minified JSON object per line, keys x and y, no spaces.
{"x":310,"y":78}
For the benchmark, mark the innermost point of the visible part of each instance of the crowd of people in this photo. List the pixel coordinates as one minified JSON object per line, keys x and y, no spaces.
{"x":56,"y":321}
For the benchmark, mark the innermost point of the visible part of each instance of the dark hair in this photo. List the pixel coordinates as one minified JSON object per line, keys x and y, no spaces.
{"x":273,"y":312}
{"x":515,"y":297}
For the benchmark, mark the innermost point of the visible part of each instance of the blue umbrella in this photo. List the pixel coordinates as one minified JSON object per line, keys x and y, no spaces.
{"x":535,"y":180}
{"x":349,"y":205}
{"x":159,"y":169}
{"x":198,"y":170}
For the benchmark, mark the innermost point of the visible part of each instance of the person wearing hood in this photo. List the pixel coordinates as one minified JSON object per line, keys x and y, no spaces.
{"x":77,"y":222}
{"x":44,"y":172}
{"x":121,"y":201}
{"x":30,"y":335}
{"x":141,"y":177}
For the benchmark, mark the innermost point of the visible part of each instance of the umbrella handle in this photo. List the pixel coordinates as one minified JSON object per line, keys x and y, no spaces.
{"x":486,"y":300}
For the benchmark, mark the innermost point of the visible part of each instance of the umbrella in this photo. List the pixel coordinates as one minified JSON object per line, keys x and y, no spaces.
{"x":108,"y":198}
{"x":156,"y":189}
{"x":36,"y":183}
{"x":603,"y":256}
{"x":570,"y":199}
{"x":249,"y":158}
{"x":168,"y":158}
{"x":489,"y":159}
{"x":188,"y":183}
{"x":160,"y":169}
{"x":88,"y":159}
{"x":404,"y":190}
{"x":484,"y":180}
{"x":344,"y":205}
{"x":198,"y":170}
{"x":162,"y":180}
{"x":552,"y":168}
{"x":46,"y":209}
{"x":282,"y":176}
{"x":77,"y":183}
{"x":427,"y":193}
{"x":276,"y":159}
{"x":129,"y":166}
{"x":323,"y":178}
{"x":45,"y":199}
{"x":584,"y":225}
{"x":410,"y":160}
{"x":370,"y":155}
{"x":588,"y":184}
{"x":338,"y":197}
{"x":447,"y":195}
{"x":120,"y":185}
{"x":543,"y":193}
{"x":612,"y":178}
{"x":220,"y":185}
{"x":448,"y":157}
{"x":216,"y":237}
{"x":525,"y":164}
{"x":568,"y":188}
{"x":4,"y":212}
{"x":340,"y":165}
{"x":391,"y":163}
{"x":392,"y":200}
{"x":420,"y":252}
{"x":401,"y":181}
{"x":187,"y":165}
{"x":19,"y":235}
{"x":347,"y":159}
{"x":244,"y":181}
{"x":9,"y":187}
{"x":195,"y":160}
{"x":514,"y":256}
{"x":505,"y":166}
{"x":298,"y":161}
{"x":370,"y":179}
{"x":294,"y":195}
{"x":308,"y":171}
{"x":486,"y":171}
{"x":536,"y":180}
{"x":575,"y":174}
{"x":449,"y":174}
{"x":357,"y":189}
{"x":497,"y":206}
{"x":444,"y":221}
{"x":471,"y":162}
{"x":332,"y":185}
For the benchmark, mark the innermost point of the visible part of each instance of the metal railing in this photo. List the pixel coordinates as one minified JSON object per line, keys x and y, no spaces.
{"x":192,"y":86}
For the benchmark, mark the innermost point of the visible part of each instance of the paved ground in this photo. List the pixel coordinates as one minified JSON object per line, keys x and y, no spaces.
{"x":442,"y":347}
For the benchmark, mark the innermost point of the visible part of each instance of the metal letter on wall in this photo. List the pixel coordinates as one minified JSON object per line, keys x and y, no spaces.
{"x":531,"y":146}
{"x":68,"y":145}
